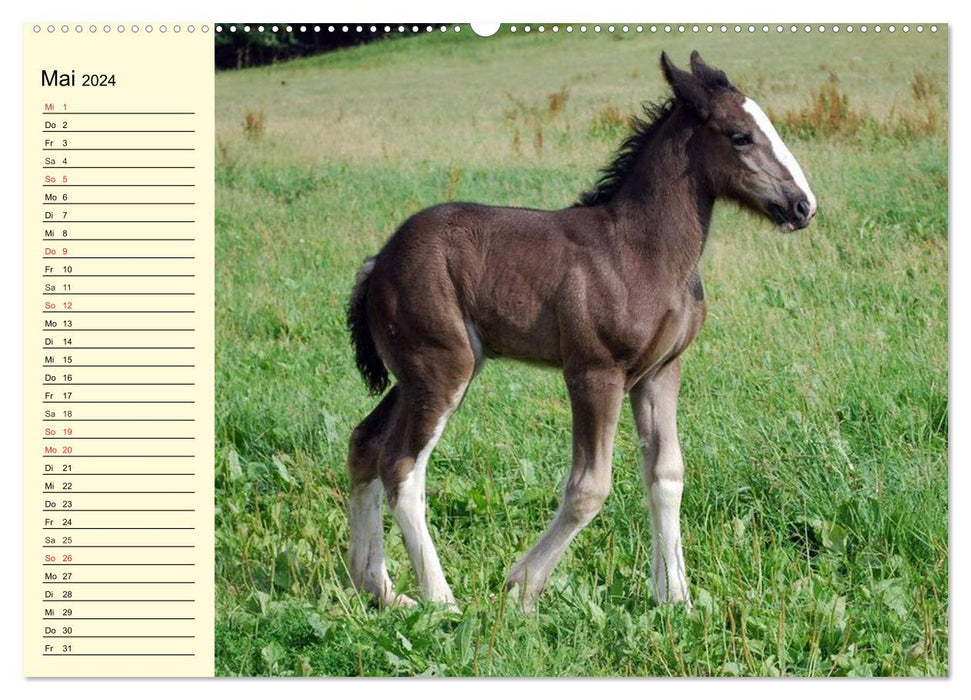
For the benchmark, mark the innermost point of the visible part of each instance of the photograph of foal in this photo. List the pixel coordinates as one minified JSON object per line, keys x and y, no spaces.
{"x":607,"y":289}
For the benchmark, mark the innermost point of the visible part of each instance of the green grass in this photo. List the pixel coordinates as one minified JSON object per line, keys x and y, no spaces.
{"x":813,"y":412}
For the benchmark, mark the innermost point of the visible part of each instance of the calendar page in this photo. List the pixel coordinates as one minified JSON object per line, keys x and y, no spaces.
{"x":118,"y":340}
{"x":509,"y":350}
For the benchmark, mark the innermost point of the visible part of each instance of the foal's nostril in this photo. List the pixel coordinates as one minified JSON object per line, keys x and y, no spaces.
{"x":803,"y":209}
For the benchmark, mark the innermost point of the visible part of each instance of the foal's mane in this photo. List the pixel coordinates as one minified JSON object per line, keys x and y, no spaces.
{"x":643,"y":128}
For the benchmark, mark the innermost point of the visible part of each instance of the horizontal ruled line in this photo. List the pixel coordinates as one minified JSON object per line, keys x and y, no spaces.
{"x":117,"y":311}
{"x":108,"y":618}
{"x":138,"y":456}
{"x":116,"y":510}
{"x":113,"y":167}
{"x":123,"y":474}
{"x":119,"y":384}
{"x":118,"y":149}
{"x":118,"y":131}
{"x":109,"y":204}
{"x":116,"y":347}
{"x":70,"y":491}
{"x":126,"y":564}
{"x":116,"y":600}
{"x":119,"y":420}
{"x":79,"y":401}
{"x":146,"y":564}
{"x":115,"y":528}
{"x":126,"y":113}
{"x":119,"y":366}
{"x":111,"y":221}
{"x":71,"y":653}
{"x":119,"y":275}
{"x":118,"y":636}
{"x":111,"y":185}
{"x":126,"y":456}
{"x":145,"y":456}
{"x":72,"y":238}
{"x":153,"y":474}
{"x":120,"y":294}
{"x":119,"y":546}
{"x":125,"y":583}
{"x":113,"y":437}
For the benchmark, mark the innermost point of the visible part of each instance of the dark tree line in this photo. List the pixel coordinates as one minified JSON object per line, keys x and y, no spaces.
{"x":240,"y":49}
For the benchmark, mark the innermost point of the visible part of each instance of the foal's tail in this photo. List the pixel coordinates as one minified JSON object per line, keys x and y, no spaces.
{"x":369,"y":363}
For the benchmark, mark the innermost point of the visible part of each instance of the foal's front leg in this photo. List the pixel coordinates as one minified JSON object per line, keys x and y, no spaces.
{"x":596,"y":398}
{"x":655,"y":404}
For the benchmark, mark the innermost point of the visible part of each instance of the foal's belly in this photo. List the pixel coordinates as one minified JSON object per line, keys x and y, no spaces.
{"x":639,"y":346}
{"x":529,"y":336}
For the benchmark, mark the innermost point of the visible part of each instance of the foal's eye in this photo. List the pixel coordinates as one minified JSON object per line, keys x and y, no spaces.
{"x":741,"y":139}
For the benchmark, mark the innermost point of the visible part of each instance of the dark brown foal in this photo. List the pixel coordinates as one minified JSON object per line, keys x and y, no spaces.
{"x":607,"y":290}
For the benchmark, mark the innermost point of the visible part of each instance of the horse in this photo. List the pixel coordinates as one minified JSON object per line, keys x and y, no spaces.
{"x":607,"y":290}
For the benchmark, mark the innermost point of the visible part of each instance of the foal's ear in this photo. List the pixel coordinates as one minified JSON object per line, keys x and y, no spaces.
{"x":711,"y":77}
{"x":687,"y":88}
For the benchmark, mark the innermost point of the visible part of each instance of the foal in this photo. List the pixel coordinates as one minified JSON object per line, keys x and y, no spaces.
{"x":607,"y":290}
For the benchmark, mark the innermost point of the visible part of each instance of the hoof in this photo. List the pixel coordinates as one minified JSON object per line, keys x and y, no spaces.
{"x":522,"y":599}
{"x":524,"y":591}
{"x":403,"y":601}
{"x":677,"y":601}
{"x":400,"y":601}
{"x":678,"y":598}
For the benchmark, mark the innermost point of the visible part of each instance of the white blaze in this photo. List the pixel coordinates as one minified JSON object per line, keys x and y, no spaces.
{"x":780,"y":150}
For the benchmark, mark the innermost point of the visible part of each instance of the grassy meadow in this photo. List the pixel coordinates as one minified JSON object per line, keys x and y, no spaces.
{"x":814,"y":406}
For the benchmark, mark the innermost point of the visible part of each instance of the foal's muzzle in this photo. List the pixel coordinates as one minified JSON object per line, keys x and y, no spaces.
{"x":802,"y":213}
{"x":795,"y":214}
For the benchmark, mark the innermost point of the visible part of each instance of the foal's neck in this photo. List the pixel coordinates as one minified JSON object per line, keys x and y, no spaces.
{"x":664,"y":205}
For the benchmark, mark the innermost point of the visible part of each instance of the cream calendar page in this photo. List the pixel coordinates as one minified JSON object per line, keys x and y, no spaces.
{"x":118,"y":360}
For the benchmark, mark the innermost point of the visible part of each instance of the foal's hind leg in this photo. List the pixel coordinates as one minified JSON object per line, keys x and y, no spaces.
{"x":430,"y":395}
{"x":655,"y":404}
{"x":596,"y":398}
{"x":366,"y":553}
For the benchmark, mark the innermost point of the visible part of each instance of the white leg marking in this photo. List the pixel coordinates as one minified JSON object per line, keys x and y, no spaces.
{"x":367,"y":545}
{"x":670,"y":578}
{"x":409,"y":513}
{"x":780,"y":150}
{"x":368,"y":569}
{"x":655,"y":412}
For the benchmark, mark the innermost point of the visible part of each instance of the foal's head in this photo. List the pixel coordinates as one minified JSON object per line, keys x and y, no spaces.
{"x":743,"y":156}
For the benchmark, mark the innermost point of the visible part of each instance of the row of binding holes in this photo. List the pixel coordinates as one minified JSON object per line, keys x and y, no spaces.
{"x":121,"y":29}
{"x":653,"y":28}
{"x":723,"y":28}
{"x":341,"y":28}
{"x":414,"y":29}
